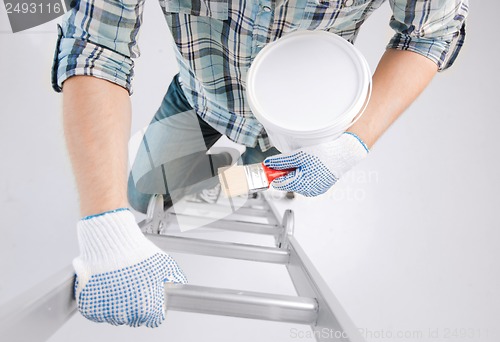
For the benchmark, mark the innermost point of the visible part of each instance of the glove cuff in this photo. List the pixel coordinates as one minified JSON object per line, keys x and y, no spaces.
{"x":359,"y":140}
{"x":111,"y":241}
{"x":340,"y":155}
{"x":351,"y":150}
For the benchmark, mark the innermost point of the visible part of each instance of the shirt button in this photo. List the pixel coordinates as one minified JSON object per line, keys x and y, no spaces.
{"x":348,"y":3}
{"x":266,"y":9}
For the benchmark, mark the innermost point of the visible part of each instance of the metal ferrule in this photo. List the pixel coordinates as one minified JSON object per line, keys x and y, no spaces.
{"x":256,"y":178}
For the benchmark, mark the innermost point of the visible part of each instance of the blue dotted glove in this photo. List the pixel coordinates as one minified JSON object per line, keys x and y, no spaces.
{"x":120,"y":275}
{"x":318,"y":167}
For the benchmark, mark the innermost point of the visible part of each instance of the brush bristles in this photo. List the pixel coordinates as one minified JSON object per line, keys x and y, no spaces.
{"x":233,"y":180}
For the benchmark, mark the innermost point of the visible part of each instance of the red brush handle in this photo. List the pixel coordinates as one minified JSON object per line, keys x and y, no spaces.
{"x":272,"y":174}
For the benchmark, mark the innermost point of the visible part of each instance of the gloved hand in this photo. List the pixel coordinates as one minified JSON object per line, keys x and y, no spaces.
{"x":120,"y":274}
{"x":318,"y":167}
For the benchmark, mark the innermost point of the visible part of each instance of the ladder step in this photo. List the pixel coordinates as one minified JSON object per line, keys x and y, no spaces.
{"x":245,"y":304}
{"x":220,"y":208}
{"x":232,"y":225}
{"x":220,"y":249}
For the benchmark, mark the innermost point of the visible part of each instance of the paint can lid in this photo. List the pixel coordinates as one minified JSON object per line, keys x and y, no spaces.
{"x":308,"y":82}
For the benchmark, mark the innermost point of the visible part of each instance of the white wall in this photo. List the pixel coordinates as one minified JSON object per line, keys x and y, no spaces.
{"x":408,"y":241}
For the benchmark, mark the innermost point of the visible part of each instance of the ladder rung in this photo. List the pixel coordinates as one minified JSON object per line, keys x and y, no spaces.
{"x":232,"y":225}
{"x":249,"y":211}
{"x":246,"y":304}
{"x":220,"y":249}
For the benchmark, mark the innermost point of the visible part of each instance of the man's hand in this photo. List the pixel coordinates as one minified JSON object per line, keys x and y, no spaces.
{"x":317,"y":168}
{"x":120,"y":275}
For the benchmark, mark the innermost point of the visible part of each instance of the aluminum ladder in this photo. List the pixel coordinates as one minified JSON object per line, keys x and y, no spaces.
{"x":46,"y":307}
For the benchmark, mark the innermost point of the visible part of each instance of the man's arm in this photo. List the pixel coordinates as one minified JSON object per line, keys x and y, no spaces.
{"x":120,"y":274}
{"x":400,"y":77}
{"x":429,"y":35}
{"x":96,"y":115}
{"x":97,"y":108}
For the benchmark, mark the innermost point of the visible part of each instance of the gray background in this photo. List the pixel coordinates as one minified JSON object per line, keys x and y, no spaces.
{"x":408,"y":241}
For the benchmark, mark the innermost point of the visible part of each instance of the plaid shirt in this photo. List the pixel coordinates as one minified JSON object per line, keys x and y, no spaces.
{"x":217,"y":40}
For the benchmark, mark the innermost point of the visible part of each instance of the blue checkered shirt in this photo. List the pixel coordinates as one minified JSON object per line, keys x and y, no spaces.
{"x":217,"y":40}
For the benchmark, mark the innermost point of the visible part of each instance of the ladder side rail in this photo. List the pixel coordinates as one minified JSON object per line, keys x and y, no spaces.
{"x":333,"y":322}
{"x":39,"y":312}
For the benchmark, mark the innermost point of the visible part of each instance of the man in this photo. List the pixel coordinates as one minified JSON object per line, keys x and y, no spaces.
{"x":120,"y":274}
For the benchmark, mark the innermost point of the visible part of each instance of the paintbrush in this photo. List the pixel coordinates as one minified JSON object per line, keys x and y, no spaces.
{"x":246,"y":179}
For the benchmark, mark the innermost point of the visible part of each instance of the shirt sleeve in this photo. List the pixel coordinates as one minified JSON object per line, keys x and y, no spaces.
{"x":432,"y":28}
{"x":98,"y":38}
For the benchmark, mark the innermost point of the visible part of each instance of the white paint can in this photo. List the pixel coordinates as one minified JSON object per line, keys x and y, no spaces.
{"x":308,"y":87}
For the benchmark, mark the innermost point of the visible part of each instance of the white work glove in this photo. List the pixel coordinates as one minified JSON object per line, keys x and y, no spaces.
{"x":120,"y":274}
{"x":318,"y":167}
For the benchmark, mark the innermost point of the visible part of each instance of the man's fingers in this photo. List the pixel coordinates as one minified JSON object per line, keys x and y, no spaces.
{"x":283,"y":161}
{"x":289,"y":182}
{"x":285,"y":180}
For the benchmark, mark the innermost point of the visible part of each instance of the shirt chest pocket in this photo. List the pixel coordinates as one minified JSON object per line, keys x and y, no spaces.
{"x":217,"y":9}
{"x":323,"y":14}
